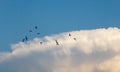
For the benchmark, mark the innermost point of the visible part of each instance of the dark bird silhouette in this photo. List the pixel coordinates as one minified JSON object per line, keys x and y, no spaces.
{"x":69,"y":34}
{"x":23,"y":40}
{"x":41,"y":43}
{"x":38,"y":33}
{"x":36,"y":27}
{"x":56,"y":42}
{"x":74,"y":38}
{"x":30,"y":30}
{"x":26,"y":38}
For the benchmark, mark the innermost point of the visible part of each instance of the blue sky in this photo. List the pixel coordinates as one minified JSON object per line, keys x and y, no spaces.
{"x":53,"y":16}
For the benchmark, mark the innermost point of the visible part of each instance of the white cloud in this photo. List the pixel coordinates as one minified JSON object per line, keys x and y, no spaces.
{"x":110,"y":65}
{"x":92,"y":51}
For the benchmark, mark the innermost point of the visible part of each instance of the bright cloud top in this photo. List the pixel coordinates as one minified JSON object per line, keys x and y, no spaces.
{"x":92,"y":51}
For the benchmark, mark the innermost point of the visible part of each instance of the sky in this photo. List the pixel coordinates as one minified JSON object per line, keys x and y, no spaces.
{"x":52,"y":17}
{"x":55,"y":18}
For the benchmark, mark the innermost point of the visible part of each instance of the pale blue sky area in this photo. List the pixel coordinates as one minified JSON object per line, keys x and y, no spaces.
{"x":54,"y":16}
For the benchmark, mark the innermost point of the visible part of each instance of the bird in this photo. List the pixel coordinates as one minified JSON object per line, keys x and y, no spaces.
{"x":41,"y":43}
{"x":26,"y":38}
{"x":36,"y":27}
{"x":74,"y":38}
{"x":30,"y":30}
{"x":69,"y":34}
{"x":23,"y":39}
{"x":38,"y":33}
{"x":56,"y":42}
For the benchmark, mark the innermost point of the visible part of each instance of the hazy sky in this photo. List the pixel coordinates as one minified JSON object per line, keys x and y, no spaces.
{"x":51,"y":16}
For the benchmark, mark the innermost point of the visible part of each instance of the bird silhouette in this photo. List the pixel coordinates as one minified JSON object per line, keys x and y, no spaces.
{"x":56,"y":42}
{"x":36,"y":27}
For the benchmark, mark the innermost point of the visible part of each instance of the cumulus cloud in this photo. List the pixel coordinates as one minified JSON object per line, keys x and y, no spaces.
{"x":92,"y":51}
{"x":110,"y":65}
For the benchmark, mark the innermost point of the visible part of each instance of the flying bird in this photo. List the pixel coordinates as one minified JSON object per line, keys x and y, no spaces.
{"x":74,"y":38}
{"x":30,"y":30}
{"x":36,"y":27}
{"x":41,"y":43}
{"x":38,"y":33}
{"x":56,"y":42}
{"x":23,"y":40}
{"x":26,"y":38}
{"x":69,"y":34}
